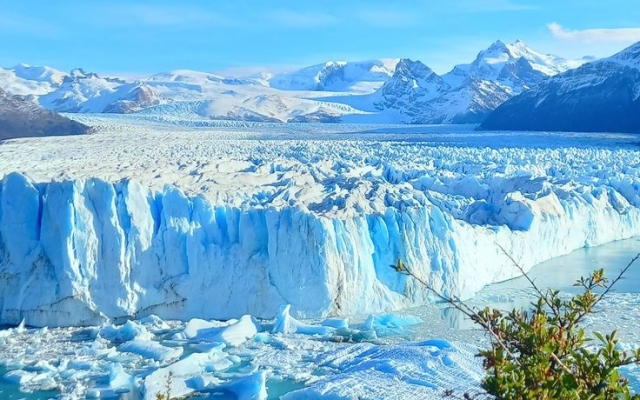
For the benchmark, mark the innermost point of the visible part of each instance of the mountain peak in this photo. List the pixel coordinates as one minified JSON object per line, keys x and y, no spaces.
{"x":21,"y":66}
{"x":406,"y":66}
{"x":629,"y":56}
{"x":79,"y":73}
{"x":41,"y":74}
{"x":507,"y":51}
{"x":335,"y":64}
{"x":513,"y":65}
{"x":600,"y":97}
{"x":360,"y":76}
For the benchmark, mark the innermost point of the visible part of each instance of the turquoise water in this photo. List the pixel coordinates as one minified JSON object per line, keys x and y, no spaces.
{"x":442,"y":320}
{"x":560,"y":273}
{"x":9,"y":391}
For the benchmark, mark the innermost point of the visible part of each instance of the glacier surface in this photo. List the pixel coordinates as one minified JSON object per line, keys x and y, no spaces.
{"x":218,"y":223}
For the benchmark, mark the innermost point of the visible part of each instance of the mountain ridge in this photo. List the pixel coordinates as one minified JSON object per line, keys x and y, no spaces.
{"x":601,"y":96}
{"x":384,"y":90}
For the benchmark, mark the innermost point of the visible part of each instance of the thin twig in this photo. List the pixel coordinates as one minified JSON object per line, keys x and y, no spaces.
{"x":401,"y":268}
{"x":531,"y":282}
{"x":613,"y":282}
{"x":608,"y":288}
{"x":560,"y":363}
{"x":470,"y":313}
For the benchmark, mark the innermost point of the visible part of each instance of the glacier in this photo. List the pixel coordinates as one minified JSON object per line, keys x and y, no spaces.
{"x":217,"y":224}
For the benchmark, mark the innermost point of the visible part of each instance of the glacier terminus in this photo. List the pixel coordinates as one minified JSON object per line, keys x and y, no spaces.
{"x":241,"y":220}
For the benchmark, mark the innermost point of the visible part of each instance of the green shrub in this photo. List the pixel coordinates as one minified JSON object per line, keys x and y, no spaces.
{"x":544,"y":353}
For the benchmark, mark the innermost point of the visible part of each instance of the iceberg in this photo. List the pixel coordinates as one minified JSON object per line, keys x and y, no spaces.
{"x":311,"y":223}
{"x":232,"y":334}
{"x":126,"y":332}
{"x":286,"y":324}
{"x":176,"y":379}
{"x":152,"y":350}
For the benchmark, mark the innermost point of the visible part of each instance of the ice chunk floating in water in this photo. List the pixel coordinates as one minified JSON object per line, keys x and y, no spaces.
{"x":78,"y":365}
{"x":311,"y":223}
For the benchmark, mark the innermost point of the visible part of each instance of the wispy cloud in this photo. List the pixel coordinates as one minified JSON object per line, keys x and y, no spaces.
{"x":156,"y":15}
{"x":297,"y":19}
{"x":595,"y":35}
{"x":20,"y":24}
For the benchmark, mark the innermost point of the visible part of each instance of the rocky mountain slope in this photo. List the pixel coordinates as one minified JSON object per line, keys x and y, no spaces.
{"x":20,"y":117}
{"x":599,"y":96}
{"x":469,"y":92}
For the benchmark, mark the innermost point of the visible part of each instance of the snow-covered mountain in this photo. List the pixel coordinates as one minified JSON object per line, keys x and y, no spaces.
{"x":185,"y":94}
{"x":603,"y":95}
{"x":469,"y":92}
{"x":410,"y":90}
{"x":82,"y":91}
{"x":201,"y":78}
{"x":25,"y":80}
{"x":338,"y":76}
{"x":20,"y":117}
{"x":247,"y":106}
{"x":386,"y":90}
{"x":514,"y":65}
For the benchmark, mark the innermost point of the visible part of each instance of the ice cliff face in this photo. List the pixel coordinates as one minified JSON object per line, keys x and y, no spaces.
{"x":79,"y":252}
{"x":317,"y":235}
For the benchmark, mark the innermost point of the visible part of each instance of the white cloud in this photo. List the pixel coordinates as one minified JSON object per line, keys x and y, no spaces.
{"x":595,"y":35}
{"x":296,"y":19}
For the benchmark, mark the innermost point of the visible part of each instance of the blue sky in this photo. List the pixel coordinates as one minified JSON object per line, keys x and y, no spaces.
{"x":153,"y":36}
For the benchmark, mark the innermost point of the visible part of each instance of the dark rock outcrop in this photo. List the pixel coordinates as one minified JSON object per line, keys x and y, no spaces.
{"x":20,"y":117}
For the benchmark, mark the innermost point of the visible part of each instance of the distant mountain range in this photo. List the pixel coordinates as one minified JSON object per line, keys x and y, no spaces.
{"x":386,"y":90}
{"x":601,"y":96}
{"x":470,"y":91}
{"x":340,"y":76}
{"x":23,"y":118}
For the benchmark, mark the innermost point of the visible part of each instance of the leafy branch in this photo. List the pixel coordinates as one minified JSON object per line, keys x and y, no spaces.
{"x":543,"y":352}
